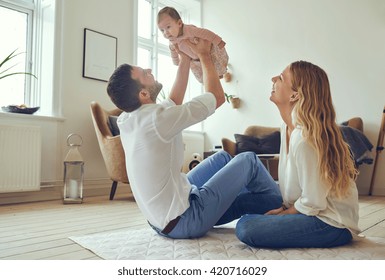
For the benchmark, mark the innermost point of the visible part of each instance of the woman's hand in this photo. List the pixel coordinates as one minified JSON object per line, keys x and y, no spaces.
{"x":275,"y":211}
{"x":282,"y":211}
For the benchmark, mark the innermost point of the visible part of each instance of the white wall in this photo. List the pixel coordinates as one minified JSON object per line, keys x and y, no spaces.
{"x":345,"y":37}
{"x":112,"y":18}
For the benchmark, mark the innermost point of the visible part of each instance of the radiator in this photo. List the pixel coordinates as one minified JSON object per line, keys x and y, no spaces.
{"x":20,"y":158}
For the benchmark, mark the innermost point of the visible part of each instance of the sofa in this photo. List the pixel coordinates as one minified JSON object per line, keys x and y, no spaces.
{"x":265,"y":142}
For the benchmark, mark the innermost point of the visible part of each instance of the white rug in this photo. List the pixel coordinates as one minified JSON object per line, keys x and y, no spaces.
{"x":218,"y":244}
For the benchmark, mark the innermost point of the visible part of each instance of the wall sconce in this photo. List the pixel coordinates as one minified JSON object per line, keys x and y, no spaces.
{"x":73,"y":172}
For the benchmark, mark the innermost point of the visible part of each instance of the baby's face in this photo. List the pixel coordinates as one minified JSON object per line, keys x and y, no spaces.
{"x":169,"y":27}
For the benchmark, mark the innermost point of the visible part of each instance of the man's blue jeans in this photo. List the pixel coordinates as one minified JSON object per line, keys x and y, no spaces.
{"x":220,"y":186}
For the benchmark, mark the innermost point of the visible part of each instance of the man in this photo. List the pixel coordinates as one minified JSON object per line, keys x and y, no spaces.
{"x":176,"y":205}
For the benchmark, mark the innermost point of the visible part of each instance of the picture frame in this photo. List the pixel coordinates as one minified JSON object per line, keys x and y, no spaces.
{"x":99,"y":55}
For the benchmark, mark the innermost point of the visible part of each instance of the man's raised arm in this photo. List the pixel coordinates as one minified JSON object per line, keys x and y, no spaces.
{"x":210,"y":76}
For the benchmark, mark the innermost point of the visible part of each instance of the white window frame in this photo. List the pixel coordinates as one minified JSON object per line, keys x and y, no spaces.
{"x":29,"y":9}
{"x":40,"y":90}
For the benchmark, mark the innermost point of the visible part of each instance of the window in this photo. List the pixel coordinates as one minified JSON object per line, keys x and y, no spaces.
{"x":153,"y":51}
{"x":23,"y":23}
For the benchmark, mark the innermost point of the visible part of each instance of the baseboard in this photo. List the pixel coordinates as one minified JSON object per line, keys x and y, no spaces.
{"x":54,"y":191}
{"x":379,"y":192}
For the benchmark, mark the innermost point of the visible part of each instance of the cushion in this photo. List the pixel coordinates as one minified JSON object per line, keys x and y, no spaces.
{"x":269,"y":144}
{"x":113,"y":125}
{"x":359,"y":144}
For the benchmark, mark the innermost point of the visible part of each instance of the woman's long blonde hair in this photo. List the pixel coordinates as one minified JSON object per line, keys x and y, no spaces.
{"x":315,"y":113}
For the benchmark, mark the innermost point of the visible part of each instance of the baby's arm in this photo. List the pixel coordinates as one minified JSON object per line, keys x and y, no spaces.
{"x":174,"y":54}
{"x":206,"y":34}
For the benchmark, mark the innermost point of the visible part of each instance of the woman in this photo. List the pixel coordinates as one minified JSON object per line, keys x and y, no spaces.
{"x":316,"y":172}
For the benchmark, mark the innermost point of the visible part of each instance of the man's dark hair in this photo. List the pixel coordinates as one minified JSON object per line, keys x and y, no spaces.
{"x":123,"y":90}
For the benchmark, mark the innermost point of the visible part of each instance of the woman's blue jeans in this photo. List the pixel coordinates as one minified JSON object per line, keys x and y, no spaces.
{"x":289,"y":231}
{"x":224,"y":189}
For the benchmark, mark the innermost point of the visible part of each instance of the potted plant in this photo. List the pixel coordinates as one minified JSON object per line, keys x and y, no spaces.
{"x":6,"y":73}
{"x":235,"y":101}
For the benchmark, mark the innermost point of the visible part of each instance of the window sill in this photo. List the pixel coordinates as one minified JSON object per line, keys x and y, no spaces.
{"x":30,"y":117}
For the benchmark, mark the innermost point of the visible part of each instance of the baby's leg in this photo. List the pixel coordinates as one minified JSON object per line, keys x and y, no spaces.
{"x":220,"y":59}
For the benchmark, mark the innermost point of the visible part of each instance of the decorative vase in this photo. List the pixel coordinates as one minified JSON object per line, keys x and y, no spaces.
{"x":235,"y":102}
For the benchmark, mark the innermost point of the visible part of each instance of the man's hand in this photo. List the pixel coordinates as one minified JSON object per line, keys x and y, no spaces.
{"x":222,"y":44}
{"x":200,"y":47}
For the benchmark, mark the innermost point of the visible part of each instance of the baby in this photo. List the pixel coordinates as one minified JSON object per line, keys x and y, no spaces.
{"x":173,"y":29}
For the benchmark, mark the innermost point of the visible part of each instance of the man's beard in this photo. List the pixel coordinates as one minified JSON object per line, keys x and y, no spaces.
{"x":154,"y":90}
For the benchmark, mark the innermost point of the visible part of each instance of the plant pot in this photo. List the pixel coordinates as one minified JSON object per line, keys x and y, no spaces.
{"x":235,"y":102}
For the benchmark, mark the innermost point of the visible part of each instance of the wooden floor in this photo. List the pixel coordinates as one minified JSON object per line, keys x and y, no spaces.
{"x":33,"y":231}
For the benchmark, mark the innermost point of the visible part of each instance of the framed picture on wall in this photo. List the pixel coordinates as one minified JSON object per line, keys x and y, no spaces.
{"x":99,"y":55}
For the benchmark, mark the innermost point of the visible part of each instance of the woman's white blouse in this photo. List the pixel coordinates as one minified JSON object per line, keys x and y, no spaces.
{"x":301,"y":185}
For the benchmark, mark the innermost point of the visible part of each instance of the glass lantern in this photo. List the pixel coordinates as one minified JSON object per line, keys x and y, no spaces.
{"x":73,"y":171}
